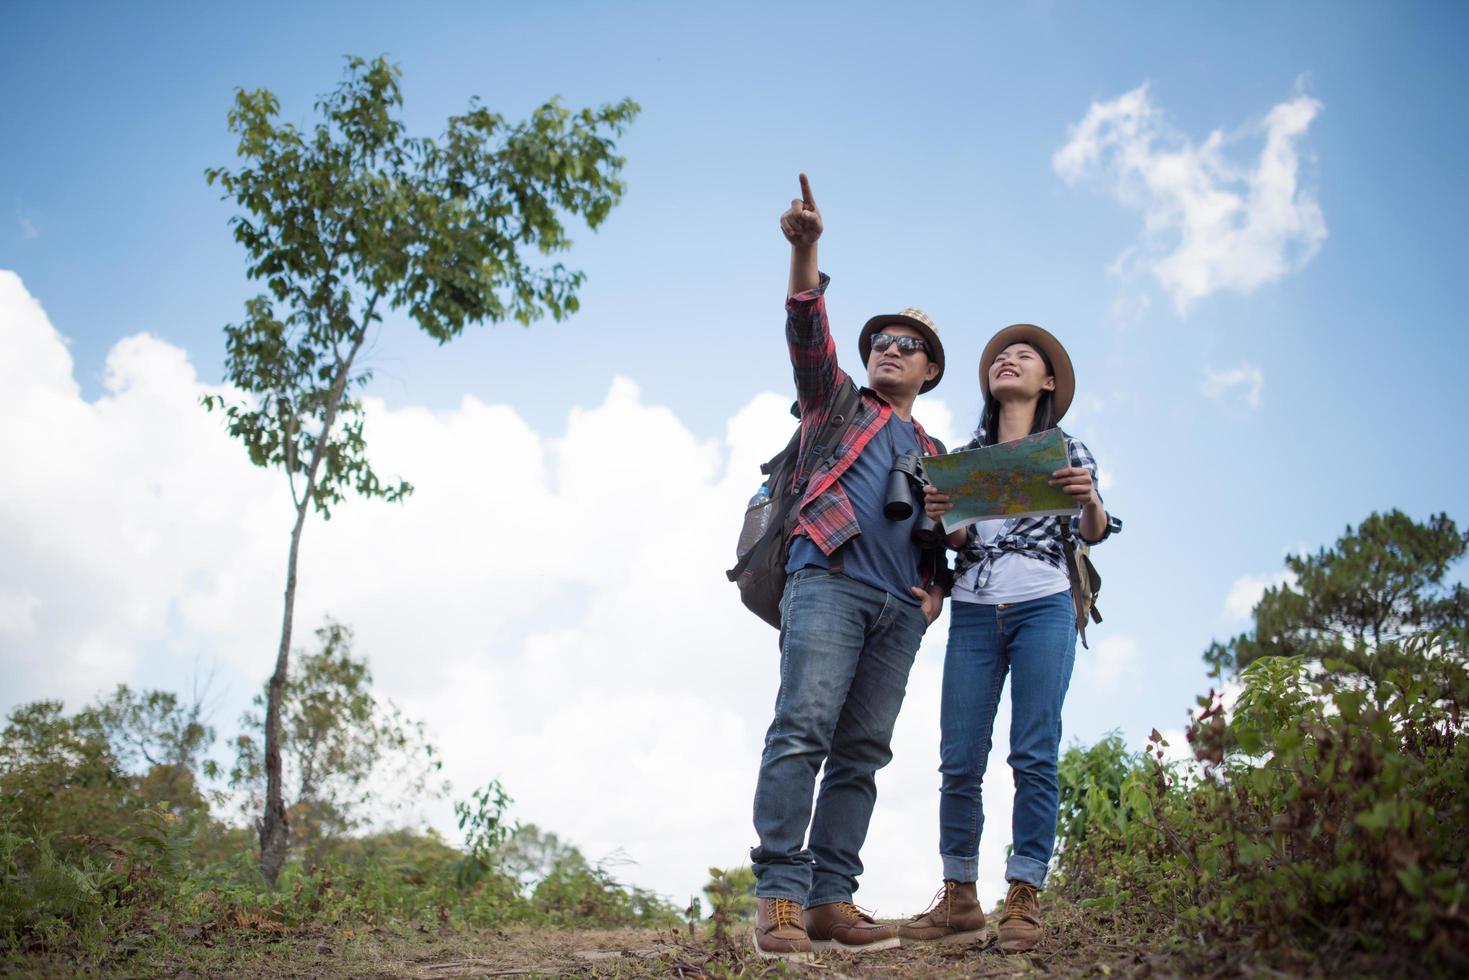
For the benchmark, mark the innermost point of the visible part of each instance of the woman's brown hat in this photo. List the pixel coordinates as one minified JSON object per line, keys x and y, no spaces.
{"x":918,"y":320}
{"x":1042,"y":341}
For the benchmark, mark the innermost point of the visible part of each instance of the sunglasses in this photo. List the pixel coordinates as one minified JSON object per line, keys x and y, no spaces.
{"x":906,"y":344}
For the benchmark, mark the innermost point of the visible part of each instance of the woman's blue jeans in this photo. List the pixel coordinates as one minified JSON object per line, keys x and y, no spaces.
{"x":845,"y":653}
{"x":1035,"y":642}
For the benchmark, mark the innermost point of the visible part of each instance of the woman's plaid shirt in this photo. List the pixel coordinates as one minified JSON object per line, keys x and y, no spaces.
{"x":1035,"y":537}
{"x":825,"y":513}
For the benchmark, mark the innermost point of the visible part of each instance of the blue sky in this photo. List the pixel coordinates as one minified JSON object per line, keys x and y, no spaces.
{"x":931,"y":136}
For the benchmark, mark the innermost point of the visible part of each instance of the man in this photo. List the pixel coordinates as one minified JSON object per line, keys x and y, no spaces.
{"x":859,"y":597}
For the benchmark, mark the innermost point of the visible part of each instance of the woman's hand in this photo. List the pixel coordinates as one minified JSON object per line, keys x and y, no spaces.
{"x":1076,"y":481}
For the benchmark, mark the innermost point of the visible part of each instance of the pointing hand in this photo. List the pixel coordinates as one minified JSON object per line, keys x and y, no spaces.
{"x":801,"y":223}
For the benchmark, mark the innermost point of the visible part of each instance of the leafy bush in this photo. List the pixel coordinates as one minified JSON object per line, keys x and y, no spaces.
{"x":589,"y":896}
{"x":45,"y":898}
{"x":1323,"y":818}
{"x":90,"y":851}
{"x":1091,"y":782}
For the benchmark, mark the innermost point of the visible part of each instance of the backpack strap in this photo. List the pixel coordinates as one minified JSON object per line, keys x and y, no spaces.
{"x":829,"y":440}
{"x":1085,"y":582}
{"x":821,"y":455}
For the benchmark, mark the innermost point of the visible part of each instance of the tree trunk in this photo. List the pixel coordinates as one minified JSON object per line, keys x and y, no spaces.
{"x":274,"y":826}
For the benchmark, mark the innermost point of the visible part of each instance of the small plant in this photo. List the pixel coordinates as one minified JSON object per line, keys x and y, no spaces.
{"x":485,"y":833}
{"x":693,"y":913}
{"x":732,"y":900}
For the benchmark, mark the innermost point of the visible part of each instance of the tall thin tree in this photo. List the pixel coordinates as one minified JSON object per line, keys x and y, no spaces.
{"x":353,"y":218}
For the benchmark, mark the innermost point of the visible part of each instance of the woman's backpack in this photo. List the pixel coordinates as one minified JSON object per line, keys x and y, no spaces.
{"x":1086,"y":583}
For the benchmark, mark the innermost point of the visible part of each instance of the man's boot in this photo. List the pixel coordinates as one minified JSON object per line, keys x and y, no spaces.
{"x":956,"y":917}
{"x":845,"y":926}
{"x":778,"y":930}
{"x":1020,"y":923}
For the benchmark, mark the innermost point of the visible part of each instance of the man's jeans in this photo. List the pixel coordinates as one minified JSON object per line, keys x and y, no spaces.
{"x":845,"y":652}
{"x":1036,"y":642}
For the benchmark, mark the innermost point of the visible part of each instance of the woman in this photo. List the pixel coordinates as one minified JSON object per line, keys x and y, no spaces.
{"x":1012,"y":613}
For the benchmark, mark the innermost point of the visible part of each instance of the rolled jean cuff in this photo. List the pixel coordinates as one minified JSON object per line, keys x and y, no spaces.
{"x":960,"y":869}
{"x":824,"y":898}
{"x":1025,"y":869}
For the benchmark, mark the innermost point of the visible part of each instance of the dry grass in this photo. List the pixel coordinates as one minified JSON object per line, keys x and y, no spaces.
{"x":271,"y":952}
{"x":1078,"y":944}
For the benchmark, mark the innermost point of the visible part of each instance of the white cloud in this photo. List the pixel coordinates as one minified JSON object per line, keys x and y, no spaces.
{"x":551,"y":605}
{"x":1109,"y":660}
{"x":1247,"y":590}
{"x":938,"y":421}
{"x":18,"y":613}
{"x":1246,"y":381}
{"x":1209,"y":223}
{"x":28,"y":228}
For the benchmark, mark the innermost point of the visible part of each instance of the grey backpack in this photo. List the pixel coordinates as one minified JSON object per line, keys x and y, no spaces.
{"x":760,"y":556}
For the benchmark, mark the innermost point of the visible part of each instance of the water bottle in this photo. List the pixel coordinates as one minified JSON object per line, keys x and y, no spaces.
{"x":757,"y":519}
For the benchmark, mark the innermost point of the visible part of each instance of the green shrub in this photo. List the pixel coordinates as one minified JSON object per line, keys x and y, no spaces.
{"x":1323,"y":817}
{"x":1091,"y":783}
{"x":107,"y":834}
{"x":45,"y":898}
{"x":576,"y":893}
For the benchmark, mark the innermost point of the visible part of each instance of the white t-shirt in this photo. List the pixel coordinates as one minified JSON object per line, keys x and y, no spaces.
{"x":1012,"y":577}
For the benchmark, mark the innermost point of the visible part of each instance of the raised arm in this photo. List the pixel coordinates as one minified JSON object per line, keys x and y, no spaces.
{"x":801,"y":224}
{"x":813,"y":353}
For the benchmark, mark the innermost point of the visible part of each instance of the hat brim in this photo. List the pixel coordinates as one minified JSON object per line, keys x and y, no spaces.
{"x":1041,"y":340}
{"x":864,"y":342}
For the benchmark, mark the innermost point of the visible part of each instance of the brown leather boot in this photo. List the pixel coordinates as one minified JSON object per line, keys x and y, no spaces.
{"x":956,"y":917}
{"x":845,"y":926}
{"x":778,"y":930}
{"x":1020,"y":923}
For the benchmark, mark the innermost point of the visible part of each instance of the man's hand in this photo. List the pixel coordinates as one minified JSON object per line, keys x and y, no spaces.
{"x":936,"y":503}
{"x":801,"y":223}
{"x":932,"y":601}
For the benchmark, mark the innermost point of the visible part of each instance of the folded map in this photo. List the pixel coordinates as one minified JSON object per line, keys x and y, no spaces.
{"x":1007,"y":479}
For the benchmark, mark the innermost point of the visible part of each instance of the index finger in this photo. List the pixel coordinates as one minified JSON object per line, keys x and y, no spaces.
{"x":806,"y":197}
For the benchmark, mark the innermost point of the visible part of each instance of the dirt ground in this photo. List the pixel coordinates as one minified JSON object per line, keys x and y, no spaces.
{"x":1078,"y":944}
{"x":518,"y":952}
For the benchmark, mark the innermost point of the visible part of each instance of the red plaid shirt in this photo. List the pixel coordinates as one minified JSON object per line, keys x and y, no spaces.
{"x":826,"y":515}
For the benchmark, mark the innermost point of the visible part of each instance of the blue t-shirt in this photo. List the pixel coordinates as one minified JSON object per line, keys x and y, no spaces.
{"x":883,"y":555}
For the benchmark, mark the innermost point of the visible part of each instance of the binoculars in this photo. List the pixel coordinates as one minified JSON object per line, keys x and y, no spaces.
{"x":905,"y":495}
